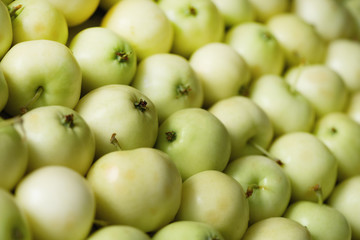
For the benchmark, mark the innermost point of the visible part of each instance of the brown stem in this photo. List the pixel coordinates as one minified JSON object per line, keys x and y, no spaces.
{"x":37,"y":95}
{"x":266,"y":153}
{"x":141,"y":105}
{"x":115,"y":142}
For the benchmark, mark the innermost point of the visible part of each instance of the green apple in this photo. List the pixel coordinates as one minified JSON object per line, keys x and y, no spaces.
{"x":37,"y":19}
{"x":7,"y":1}
{"x":189,"y":230}
{"x":195,"y":23}
{"x":235,"y":11}
{"x":288,"y":110}
{"x":58,"y":135}
{"x":76,"y":12}
{"x":104,"y":58}
{"x":308,"y":163}
{"x":265,"y":56}
{"x":321,"y":86}
{"x":215,"y":198}
{"x":195,"y":140}
{"x":300,"y":41}
{"x":341,"y":134}
{"x":343,"y":56}
{"x":13,"y":223}
{"x":41,"y":73}
{"x":221,"y":70}
{"x":121,"y":110}
{"x":13,"y":154}
{"x":277,"y":228}
{"x":248,"y":125}
{"x":4,"y":90}
{"x":322,"y":221}
{"x":58,"y":203}
{"x":139,"y":188}
{"x":353,"y":107}
{"x":6,"y":34}
{"x":170,"y":82}
{"x":330,"y":18}
{"x":345,"y":199}
{"x":143,"y":24}
{"x":119,"y":232}
{"x":264,"y":10}
{"x":267,"y":187}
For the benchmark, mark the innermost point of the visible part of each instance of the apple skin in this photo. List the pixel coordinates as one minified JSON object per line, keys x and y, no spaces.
{"x":104,"y":58}
{"x":267,"y":186}
{"x":195,"y":140}
{"x":139,"y":187}
{"x":4,"y":90}
{"x":265,"y":56}
{"x":353,"y":107}
{"x":308,"y":162}
{"x":215,"y":198}
{"x":340,"y":134}
{"x":246,"y":123}
{"x":143,"y":24}
{"x":277,"y":228}
{"x":322,"y":221}
{"x":27,"y":25}
{"x":121,"y":232}
{"x":14,"y":156}
{"x":46,"y":64}
{"x":190,"y":230}
{"x":345,"y":198}
{"x":58,"y":203}
{"x":170,"y":82}
{"x":6,"y":34}
{"x":13,"y":223}
{"x":140,"y":120}
{"x":57,"y":135}
{"x":195,"y":23}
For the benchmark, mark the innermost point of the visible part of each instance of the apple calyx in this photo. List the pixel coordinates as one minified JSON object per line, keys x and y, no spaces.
{"x":115,"y":142}
{"x":182,"y":90}
{"x":37,"y":95}
{"x":333,"y":130}
{"x":319,"y":194}
{"x":141,"y":105}
{"x":14,"y":11}
{"x":191,"y":11}
{"x":250,"y":189}
{"x":170,"y":136}
{"x":122,"y":56}
{"x":68,"y":120}
{"x":265,"y":153}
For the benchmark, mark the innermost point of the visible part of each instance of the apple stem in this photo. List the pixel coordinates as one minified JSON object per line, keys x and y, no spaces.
{"x":37,"y":95}
{"x":266,"y":153}
{"x":319,"y":194}
{"x":122,"y":56}
{"x":68,"y":120}
{"x":141,"y":105}
{"x":182,"y":90}
{"x":170,"y":136}
{"x":115,"y":142}
{"x":191,"y":11}
{"x":13,"y":11}
{"x":250,"y":189}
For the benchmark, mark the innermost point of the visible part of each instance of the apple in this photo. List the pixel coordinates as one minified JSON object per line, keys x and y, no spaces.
{"x":321,"y":86}
{"x":6,"y":2}
{"x":301,"y":43}
{"x":139,"y":188}
{"x":308,"y":163}
{"x":221,"y":70}
{"x":265,"y":56}
{"x":345,"y":198}
{"x":340,"y":134}
{"x":58,"y":203}
{"x":57,"y":135}
{"x":330,"y":18}
{"x":190,"y":230}
{"x":170,"y":82}
{"x":264,"y":10}
{"x":104,"y":58}
{"x":4,"y":90}
{"x":6,"y":34}
{"x":121,"y":110}
{"x":195,"y":23}
{"x":322,"y":221}
{"x":195,"y":140}
{"x":353,"y":107}
{"x":13,"y":223}
{"x":123,"y":232}
{"x":76,"y":12}
{"x":143,"y":24}
{"x":277,"y":228}
{"x":37,"y":19}
{"x":40,"y":73}
{"x":288,"y":110}
{"x":13,"y":154}
{"x":217,"y":199}
{"x":235,"y":11}
{"x":249,"y":126}
{"x":267,"y":187}
{"x":343,"y":56}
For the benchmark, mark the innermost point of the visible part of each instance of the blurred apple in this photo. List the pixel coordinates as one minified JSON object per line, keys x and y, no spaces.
{"x":353,"y":107}
{"x":40,"y":73}
{"x":142,"y":23}
{"x":119,"y":232}
{"x":264,"y":10}
{"x":6,"y":34}
{"x":104,"y":57}
{"x":217,"y":199}
{"x":354,"y":8}
{"x":4,"y":90}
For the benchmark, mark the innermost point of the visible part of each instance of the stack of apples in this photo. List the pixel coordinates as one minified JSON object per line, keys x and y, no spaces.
{"x":180,"y":120}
